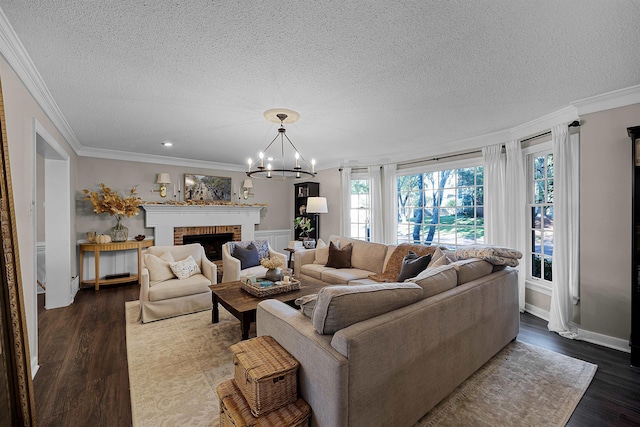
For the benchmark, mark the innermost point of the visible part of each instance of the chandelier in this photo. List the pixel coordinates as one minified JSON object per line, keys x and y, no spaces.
{"x":271,"y":164}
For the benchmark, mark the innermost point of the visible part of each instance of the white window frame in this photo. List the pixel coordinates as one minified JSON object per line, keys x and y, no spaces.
{"x":539,"y":285}
{"x":436,"y":167}
{"x":360,"y":176}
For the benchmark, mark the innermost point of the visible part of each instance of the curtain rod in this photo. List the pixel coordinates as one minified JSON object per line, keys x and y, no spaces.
{"x":574,"y":123}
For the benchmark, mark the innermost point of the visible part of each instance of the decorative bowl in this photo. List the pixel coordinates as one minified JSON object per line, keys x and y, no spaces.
{"x":140,"y":237}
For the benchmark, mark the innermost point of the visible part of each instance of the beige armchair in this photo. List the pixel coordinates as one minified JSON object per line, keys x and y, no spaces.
{"x":162,"y":296}
{"x":231,"y":270}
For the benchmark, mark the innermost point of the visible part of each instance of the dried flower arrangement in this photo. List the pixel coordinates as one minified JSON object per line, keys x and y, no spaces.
{"x":271,"y":263}
{"x":108,"y":201}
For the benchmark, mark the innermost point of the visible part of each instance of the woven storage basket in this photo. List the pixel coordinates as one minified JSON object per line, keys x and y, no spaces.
{"x":265,"y":373}
{"x":259,"y":292}
{"x":235,"y":411}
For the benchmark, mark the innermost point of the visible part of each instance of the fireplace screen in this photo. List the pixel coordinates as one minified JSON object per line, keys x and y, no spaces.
{"x":212,"y":243}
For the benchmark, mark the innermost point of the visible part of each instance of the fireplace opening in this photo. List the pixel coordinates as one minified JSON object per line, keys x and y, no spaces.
{"x":212,"y":243}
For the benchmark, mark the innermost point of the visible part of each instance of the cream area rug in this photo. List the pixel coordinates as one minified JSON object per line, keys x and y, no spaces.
{"x":176,"y":364}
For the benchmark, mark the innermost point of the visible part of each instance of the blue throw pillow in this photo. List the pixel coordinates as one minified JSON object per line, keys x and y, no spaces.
{"x":248,"y":256}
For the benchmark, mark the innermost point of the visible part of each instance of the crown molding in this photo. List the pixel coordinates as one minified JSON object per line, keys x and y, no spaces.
{"x":127,"y":156}
{"x":607,"y":101}
{"x":544,"y":123}
{"x":16,"y":55}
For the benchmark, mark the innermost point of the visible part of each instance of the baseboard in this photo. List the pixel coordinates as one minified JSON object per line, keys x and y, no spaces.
{"x":34,"y":367}
{"x":536,"y":311}
{"x":604,"y":340}
{"x":584,"y":335}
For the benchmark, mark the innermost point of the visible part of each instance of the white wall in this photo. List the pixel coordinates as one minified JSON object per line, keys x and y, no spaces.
{"x":20,"y":110}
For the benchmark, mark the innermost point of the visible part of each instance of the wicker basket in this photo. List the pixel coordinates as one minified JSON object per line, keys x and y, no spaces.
{"x":235,"y":412}
{"x":274,"y":289}
{"x":265,"y":373}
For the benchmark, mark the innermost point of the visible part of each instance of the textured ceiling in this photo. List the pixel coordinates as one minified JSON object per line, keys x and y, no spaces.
{"x":373,"y":81}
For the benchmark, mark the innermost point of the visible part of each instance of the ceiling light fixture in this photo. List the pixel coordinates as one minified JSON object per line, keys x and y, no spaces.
{"x":278,"y":168}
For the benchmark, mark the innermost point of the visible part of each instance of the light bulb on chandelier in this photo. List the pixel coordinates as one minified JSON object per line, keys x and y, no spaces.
{"x":279,"y":169}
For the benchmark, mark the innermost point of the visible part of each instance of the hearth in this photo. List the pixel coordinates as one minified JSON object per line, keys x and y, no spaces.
{"x":212,"y":243}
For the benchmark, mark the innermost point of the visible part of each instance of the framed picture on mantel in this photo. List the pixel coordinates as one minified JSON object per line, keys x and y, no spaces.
{"x":207,"y":188}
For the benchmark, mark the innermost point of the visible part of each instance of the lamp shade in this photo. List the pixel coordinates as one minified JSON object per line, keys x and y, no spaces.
{"x":163,"y":178}
{"x":247,"y":183}
{"x":317,"y":205}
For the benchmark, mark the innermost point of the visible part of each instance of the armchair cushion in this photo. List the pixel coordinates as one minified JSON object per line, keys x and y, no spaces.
{"x":249,"y":256}
{"x":176,"y":288}
{"x":185,"y":268}
{"x":159,"y":267}
{"x":261,"y":245}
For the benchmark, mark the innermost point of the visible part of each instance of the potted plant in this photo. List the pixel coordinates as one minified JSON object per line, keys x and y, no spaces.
{"x":304,"y":224}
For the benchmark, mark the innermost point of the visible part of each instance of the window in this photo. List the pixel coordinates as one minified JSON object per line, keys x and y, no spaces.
{"x":442,"y":207}
{"x":540,"y":198}
{"x":360,"y":209}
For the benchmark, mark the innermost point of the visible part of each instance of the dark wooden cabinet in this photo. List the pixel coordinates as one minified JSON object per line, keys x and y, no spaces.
{"x":634,"y":342}
{"x":304,"y":190}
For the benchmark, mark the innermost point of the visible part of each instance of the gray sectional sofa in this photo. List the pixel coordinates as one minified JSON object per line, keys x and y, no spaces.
{"x":418,"y":342}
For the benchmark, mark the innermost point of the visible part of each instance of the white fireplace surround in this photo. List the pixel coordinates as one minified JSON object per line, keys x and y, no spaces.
{"x":163,"y":219}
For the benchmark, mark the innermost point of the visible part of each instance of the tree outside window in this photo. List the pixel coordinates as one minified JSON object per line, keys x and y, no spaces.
{"x":444,"y":207}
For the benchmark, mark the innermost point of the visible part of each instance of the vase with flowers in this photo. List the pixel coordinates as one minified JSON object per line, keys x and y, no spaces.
{"x":274,"y":268}
{"x":108,"y":201}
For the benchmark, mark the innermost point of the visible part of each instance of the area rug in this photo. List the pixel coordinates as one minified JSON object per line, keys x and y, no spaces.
{"x":176,"y":364}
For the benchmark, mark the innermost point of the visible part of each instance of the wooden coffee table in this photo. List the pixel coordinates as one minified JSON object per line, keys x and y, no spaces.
{"x":243,"y":305}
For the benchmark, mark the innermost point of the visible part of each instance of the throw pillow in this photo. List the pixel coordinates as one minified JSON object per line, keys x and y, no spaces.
{"x":185,"y":268}
{"x":339,"y":257}
{"x":436,"y":280}
{"x":438,"y":258}
{"x":158,"y":267}
{"x":322,"y":253}
{"x":412,"y":265}
{"x":261,"y":245}
{"x":248,"y":256}
{"x":343,"y":305}
{"x":307,"y":303}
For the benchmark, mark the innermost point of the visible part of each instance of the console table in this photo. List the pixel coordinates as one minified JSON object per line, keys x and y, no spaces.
{"x":96,"y":248}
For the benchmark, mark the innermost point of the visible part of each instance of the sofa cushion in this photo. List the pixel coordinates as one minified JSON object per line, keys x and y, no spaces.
{"x":185,"y":268}
{"x":175,"y":288}
{"x":314,"y":270}
{"x":366,"y":255}
{"x":333,"y":276}
{"x":340,"y":306}
{"x":249,"y":256}
{"x":339,"y":257}
{"x":436,"y":280}
{"x":307,"y":303}
{"x":159,"y":268}
{"x":471,"y":269}
{"x":412,"y":265}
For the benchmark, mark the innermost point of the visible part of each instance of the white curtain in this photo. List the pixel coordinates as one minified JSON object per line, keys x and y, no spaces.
{"x":565,"y":230}
{"x":345,"y":216}
{"x":494,"y":191}
{"x":515,"y":211}
{"x":375,"y":194}
{"x":390,"y":204}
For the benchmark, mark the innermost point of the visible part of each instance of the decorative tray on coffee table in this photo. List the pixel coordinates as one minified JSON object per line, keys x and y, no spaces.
{"x":273,"y":289}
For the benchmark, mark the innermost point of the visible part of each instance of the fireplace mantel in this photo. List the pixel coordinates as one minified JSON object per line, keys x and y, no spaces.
{"x":163,"y":218}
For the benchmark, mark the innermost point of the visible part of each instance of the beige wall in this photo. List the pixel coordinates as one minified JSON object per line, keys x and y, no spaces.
{"x":330,"y":188}
{"x":122,"y":175}
{"x":605,"y":220}
{"x":20,"y":110}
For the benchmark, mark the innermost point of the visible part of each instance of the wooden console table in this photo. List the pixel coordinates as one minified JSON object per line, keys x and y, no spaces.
{"x":96,"y":248}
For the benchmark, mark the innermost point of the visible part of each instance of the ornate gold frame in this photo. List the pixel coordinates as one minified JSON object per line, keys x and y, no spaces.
{"x":16,"y":362}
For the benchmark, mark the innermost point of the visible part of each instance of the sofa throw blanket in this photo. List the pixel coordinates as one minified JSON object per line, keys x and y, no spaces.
{"x":394,"y":265}
{"x":495,"y":255}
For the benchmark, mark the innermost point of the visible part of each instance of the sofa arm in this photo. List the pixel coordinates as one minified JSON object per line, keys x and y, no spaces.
{"x":323,"y":374}
{"x":303,"y":256}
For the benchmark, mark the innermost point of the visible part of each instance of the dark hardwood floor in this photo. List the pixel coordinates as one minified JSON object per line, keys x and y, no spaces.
{"x":83,"y":377}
